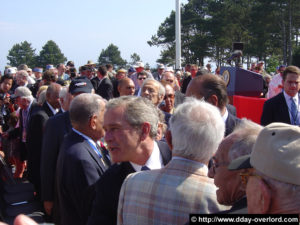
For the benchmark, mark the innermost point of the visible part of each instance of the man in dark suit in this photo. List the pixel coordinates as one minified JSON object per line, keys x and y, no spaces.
{"x":102,"y":84}
{"x":284,"y":107}
{"x":131,"y":128}
{"x":35,"y":131}
{"x":81,"y":161}
{"x":56,"y":128}
{"x":212,"y":89}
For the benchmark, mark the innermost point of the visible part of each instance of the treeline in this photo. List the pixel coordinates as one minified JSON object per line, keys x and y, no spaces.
{"x":269,"y":30}
{"x":24,"y":53}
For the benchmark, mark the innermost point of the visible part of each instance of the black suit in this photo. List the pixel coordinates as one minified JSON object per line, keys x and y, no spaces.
{"x":95,"y":82}
{"x":105,"y":88}
{"x":78,"y":169}
{"x":230,"y":123}
{"x":56,"y":128}
{"x":108,"y":189}
{"x":275,"y":110}
{"x":34,"y":139}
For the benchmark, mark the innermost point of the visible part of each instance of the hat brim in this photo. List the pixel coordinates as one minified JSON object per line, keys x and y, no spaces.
{"x":242,"y":162}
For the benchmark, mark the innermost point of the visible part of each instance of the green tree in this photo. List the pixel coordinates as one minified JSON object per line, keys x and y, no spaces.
{"x":112,"y":56}
{"x":135,"y":58}
{"x":21,"y":53}
{"x":296,"y":57}
{"x":50,"y":54}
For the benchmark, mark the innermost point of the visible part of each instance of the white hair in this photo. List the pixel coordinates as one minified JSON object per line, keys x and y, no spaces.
{"x":245,"y":135}
{"x":63,"y":93}
{"x":197,"y":129}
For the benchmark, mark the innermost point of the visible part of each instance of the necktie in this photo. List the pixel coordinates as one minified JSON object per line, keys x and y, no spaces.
{"x":294,"y":112}
{"x":145,"y":168}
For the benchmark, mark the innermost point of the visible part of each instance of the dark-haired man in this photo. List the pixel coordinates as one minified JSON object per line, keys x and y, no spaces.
{"x":284,"y":107}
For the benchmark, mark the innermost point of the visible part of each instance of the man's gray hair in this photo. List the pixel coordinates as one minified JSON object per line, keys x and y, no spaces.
{"x":22,"y":73}
{"x":137,"y":111}
{"x":64,"y":93}
{"x":161,"y":89}
{"x":83,"y":107}
{"x":245,"y":135}
{"x":197,"y":129}
{"x":23,"y":93}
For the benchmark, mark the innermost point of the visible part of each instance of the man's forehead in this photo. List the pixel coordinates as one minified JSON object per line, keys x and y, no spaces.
{"x":224,"y":147}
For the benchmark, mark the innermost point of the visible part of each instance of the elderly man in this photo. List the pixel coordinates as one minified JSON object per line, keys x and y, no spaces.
{"x":169,"y":100}
{"x":81,"y":161}
{"x":131,"y":125}
{"x":28,"y":105}
{"x":231,"y":190}
{"x":169,"y":195}
{"x":22,"y":79}
{"x":153,"y":90}
{"x":35,"y":134}
{"x":273,"y":185}
{"x":284,"y":107}
{"x":169,"y":78}
{"x":213,"y":90}
{"x":126,"y":87}
{"x":158,"y":74}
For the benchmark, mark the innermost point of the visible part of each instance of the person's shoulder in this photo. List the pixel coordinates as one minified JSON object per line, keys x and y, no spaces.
{"x":275,"y":99}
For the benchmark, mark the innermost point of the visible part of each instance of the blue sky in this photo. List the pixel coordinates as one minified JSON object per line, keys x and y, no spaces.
{"x":82,"y":28}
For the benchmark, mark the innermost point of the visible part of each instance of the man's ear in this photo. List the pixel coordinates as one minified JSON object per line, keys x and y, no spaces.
{"x":259,"y":197}
{"x":213,"y":99}
{"x":92,"y":122}
{"x":146,"y":127}
{"x":168,"y":137}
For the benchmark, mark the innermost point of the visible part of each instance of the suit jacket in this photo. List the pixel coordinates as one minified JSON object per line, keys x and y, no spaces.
{"x":35,"y":131}
{"x":95,"y":82}
{"x":230,"y":123}
{"x":108,"y":188}
{"x":105,"y":89}
{"x":78,"y":169}
{"x":168,"y":195}
{"x":18,"y":132}
{"x":56,"y":128}
{"x":275,"y":110}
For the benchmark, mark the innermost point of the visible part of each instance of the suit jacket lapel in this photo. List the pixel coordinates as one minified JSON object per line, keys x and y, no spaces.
{"x":47,"y":109}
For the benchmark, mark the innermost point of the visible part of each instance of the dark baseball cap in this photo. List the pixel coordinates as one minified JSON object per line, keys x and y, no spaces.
{"x":80,"y":85}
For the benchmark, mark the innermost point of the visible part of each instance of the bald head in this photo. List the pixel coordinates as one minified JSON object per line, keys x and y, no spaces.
{"x":126,"y":87}
{"x":52,"y":95}
{"x":210,"y":87}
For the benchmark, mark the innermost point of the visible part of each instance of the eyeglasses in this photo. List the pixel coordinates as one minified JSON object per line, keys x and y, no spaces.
{"x":171,"y":96}
{"x":214,"y":164}
{"x":245,"y":177}
{"x":142,"y":78}
{"x":171,"y":81}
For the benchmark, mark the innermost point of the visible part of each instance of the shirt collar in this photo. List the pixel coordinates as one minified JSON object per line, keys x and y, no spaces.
{"x":225,"y":116}
{"x":288,"y":98}
{"x":154,"y":162}
{"x":85,"y":137}
{"x":51,"y":108}
{"x":189,"y":160}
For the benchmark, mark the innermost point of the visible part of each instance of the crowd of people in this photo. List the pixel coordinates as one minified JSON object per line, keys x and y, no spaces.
{"x":141,"y":147}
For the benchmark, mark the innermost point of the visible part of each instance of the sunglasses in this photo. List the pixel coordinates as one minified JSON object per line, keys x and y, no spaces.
{"x":142,"y":78}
